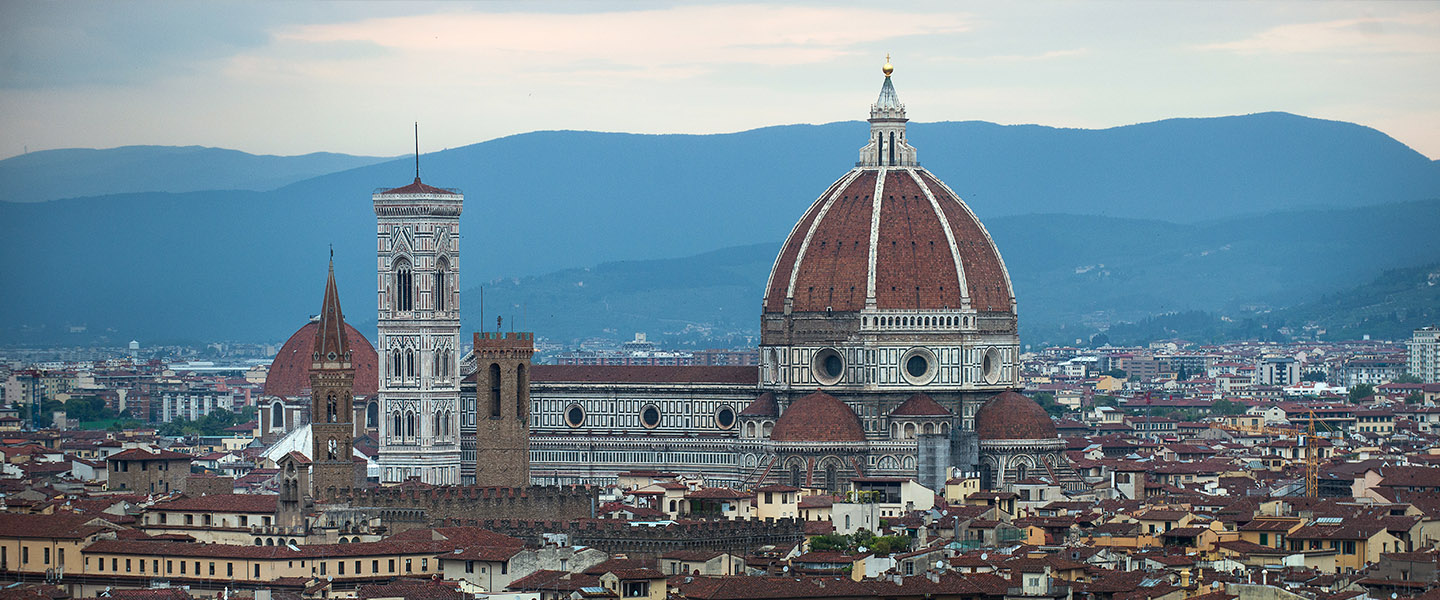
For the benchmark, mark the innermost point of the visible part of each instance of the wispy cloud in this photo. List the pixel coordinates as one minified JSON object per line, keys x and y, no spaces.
{"x":1015,"y":58}
{"x":1405,"y":34}
{"x":630,"y":44}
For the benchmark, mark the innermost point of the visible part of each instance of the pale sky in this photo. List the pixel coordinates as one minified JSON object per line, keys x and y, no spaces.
{"x":292,"y":78}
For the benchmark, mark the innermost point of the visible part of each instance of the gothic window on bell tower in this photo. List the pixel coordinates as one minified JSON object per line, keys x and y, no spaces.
{"x":330,"y":408}
{"x":442,"y":292}
{"x":404,"y":286}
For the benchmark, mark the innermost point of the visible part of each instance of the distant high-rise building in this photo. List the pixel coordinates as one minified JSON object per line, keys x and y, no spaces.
{"x":1424,"y":355}
{"x":418,"y":233}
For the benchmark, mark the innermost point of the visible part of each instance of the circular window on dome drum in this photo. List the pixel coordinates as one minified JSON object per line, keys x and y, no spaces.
{"x":990,"y":365}
{"x":725,"y":417}
{"x":828,"y":366}
{"x":575,"y":415}
{"x":918,"y":366}
{"x":650,"y":416}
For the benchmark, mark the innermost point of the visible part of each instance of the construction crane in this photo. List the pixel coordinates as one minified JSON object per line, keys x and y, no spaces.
{"x":1312,"y":459}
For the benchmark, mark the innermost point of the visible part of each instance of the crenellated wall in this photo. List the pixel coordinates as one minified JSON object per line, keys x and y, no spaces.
{"x":647,"y":540}
{"x":482,"y":503}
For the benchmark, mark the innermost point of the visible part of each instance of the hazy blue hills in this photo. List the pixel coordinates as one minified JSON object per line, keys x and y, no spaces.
{"x":1390,"y":306}
{"x":1263,"y":210}
{"x":76,"y":172}
{"x":1073,"y":275}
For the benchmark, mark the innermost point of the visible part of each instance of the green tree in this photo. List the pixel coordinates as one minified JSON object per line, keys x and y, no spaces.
{"x":1046,"y":400}
{"x":1407,"y":378}
{"x":1228,"y":407}
{"x":1117,"y":373}
{"x":1360,"y":391}
{"x":1414,"y":398}
{"x":1104,"y":400}
{"x":1313,"y":376}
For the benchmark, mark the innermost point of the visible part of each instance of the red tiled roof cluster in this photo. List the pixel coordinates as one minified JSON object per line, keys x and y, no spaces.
{"x":229,"y":503}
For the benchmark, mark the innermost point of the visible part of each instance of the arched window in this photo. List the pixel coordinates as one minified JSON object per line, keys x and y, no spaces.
{"x":395,"y":363}
{"x":892,"y":148}
{"x":277,"y":416}
{"x":395,"y":429}
{"x":832,"y":479}
{"x":331,"y":409}
{"x":1021,"y":471}
{"x":409,"y":424}
{"x":372,"y":414}
{"x":404,"y":286}
{"x":442,"y":292}
{"x":522,"y":387}
{"x":494,"y":390}
{"x":437,"y":423}
{"x":410,"y":363}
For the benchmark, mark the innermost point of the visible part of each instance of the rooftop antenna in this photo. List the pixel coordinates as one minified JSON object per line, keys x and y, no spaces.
{"x":417,"y":151}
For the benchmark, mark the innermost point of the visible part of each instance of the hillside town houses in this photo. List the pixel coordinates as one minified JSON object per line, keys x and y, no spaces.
{"x":1192,"y":463}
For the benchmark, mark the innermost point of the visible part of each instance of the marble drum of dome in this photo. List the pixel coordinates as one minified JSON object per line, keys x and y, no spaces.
{"x":889,"y":282}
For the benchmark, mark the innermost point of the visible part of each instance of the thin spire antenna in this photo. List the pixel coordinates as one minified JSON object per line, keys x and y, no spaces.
{"x":417,"y":151}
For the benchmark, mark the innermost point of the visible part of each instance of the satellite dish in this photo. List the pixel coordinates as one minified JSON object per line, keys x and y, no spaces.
{"x":939,"y":564}
{"x":983,"y":555}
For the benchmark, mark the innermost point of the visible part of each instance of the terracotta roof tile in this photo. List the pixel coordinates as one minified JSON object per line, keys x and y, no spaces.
{"x":920,"y":405}
{"x":289,"y":374}
{"x":818,"y":417}
{"x":644,"y":374}
{"x":1012,"y":416}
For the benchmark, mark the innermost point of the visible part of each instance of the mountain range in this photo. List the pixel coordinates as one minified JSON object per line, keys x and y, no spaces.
{"x":677,"y":232}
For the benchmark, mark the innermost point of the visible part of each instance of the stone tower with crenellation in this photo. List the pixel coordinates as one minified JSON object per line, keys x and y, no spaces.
{"x":501,"y":410}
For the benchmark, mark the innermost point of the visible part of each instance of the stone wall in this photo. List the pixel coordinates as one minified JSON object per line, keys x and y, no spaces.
{"x":471,"y":503}
{"x":738,"y":537}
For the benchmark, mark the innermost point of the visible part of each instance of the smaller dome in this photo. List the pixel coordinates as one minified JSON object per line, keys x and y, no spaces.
{"x":818,"y":417}
{"x":920,"y":405}
{"x":289,"y":374}
{"x":764,"y":406}
{"x":1012,"y":416}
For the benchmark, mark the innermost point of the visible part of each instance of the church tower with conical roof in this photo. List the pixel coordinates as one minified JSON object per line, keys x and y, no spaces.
{"x":418,"y":243}
{"x":332,"y":382}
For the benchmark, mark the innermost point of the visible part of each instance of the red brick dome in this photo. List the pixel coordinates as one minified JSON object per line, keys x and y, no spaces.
{"x":818,"y":417}
{"x":1012,"y":416}
{"x":930,"y":252}
{"x":764,"y":406}
{"x":290,"y":371}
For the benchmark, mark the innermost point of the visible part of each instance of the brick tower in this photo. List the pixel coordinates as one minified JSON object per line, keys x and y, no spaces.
{"x":332,"y":380}
{"x":502,"y":408}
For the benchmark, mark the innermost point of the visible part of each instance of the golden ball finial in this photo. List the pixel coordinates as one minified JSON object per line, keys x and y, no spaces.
{"x":888,"y":69}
